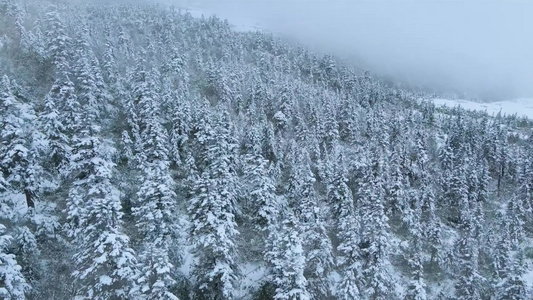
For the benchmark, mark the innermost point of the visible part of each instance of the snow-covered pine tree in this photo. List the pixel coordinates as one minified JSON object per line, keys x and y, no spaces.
{"x":156,"y":202}
{"x":331,"y":126}
{"x":416,"y":290}
{"x":13,"y":285}
{"x":508,"y":266}
{"x":109,"y":61}
{"x":58,"y":43}
{"x":154,"y":210}
{"x":469,"y":280}
{"x":347,"y":120}
{"x":286,"y":108}
{"x":397,"y":191}
{"x":287,"y":260}
{"x":514,"y":285}
{"x":59,"y":120}
{"x":524,"y":193}
{"x":263,"y":203}
{"x":311,"y":213}
{"x":14,"y":170}
{"x":105,"y":263}
{"x":375,"y":236}
{"x":132,"y":91}
{"x":212,"y":211}
{"x":429,"y":219}
{"x":181,"y":121}
{"x":347,"y":228}
{"x":501,"y":155}
{"x":27,"y":252}
{"x":14,"y":154}
{"x":516,"y":216}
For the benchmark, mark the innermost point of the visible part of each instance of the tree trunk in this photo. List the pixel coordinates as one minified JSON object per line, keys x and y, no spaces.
{"x":29,"y":200}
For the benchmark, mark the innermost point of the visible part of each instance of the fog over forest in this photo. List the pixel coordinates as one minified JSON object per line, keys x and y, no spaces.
{"x":473,"y":48}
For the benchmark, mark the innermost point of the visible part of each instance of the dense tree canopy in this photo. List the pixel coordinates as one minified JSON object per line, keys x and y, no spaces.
{"x":148,"y":154}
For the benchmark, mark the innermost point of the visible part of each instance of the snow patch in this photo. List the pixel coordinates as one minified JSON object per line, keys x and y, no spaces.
{"x":520,"y":107}
{"x":188,"y":261}
{"x":254,"y":274}
{"x":105,"y":280}
{"x":528,"y":278}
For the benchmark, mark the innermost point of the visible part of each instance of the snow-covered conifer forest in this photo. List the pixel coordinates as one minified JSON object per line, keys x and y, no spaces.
{"x":148,"y":154}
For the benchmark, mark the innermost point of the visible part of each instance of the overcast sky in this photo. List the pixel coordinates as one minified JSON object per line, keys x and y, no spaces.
{"x":481,"y":47}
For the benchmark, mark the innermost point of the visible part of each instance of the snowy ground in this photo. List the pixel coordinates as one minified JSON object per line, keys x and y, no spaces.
{"x":521,"y":107}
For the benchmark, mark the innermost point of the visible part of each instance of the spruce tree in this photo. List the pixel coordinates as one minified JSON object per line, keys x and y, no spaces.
{"x":347,"y":228}
{"x":13,"y":285}
{"x":416,"y":290}
{"x":317,"y":244}
{"x":58,"y":43}
{"x":375,"y":235}
{"x":287,"y":260}
{"x":212,"y":211}
{"x":105,"y":264}
{"x":264,"y":206}
{"x":14,"y":152}
{"x":59,"y":121}
{"x":156,"y":202}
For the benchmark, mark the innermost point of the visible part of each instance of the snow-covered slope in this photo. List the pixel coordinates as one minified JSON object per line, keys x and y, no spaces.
{"x":521,"y":107}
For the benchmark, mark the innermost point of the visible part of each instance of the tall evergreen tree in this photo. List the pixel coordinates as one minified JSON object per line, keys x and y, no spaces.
{"x":13,"y":285}
{"x":319,"y":258}
{"x":212,"y":209}
{"x":156,"y":202}
{"x":14,"y":154}
{"x":58,"y":43}
{"x":261,"y":189}
{"x":416,"y":290}
{"x":105,"y":264}
{"x":375,"y":236}
{"x":287,"y":261}
{"x":347,"y":228}
{"x":469,"y":279}
{"x":508,"y":267}
{"x":59,"y":120}
{"x":294,"y":167}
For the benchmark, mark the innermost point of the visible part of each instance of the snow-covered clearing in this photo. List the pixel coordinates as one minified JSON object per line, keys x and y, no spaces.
{"x":521,"y":107}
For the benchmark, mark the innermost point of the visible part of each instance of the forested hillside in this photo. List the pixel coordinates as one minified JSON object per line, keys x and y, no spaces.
{"x":147,"y":154}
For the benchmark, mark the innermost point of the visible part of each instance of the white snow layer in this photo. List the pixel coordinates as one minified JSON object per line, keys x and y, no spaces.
{"x":521,"y":107}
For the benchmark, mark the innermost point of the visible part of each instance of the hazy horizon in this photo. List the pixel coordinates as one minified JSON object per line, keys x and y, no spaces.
{"x":475,"y":48}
